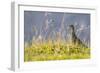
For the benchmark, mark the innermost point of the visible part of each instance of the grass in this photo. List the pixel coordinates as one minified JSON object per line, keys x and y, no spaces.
{"x":43,"y":51}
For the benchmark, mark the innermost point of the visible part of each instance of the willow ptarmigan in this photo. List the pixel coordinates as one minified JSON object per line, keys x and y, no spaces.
{"x":75,"y":40}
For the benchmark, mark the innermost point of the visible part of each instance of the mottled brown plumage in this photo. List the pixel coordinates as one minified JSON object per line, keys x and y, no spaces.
{"x":75,"y":39}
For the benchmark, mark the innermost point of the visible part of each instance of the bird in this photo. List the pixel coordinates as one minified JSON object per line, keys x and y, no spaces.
{"x":75,"y":40}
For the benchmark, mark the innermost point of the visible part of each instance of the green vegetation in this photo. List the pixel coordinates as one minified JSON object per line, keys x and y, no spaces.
{"x":57,"y":50}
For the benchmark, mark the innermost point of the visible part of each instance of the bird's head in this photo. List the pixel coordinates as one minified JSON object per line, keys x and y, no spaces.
{"x":71,"y":27}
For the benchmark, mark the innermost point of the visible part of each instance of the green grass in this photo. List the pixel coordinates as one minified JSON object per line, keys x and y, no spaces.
{"x":42,"y":51}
